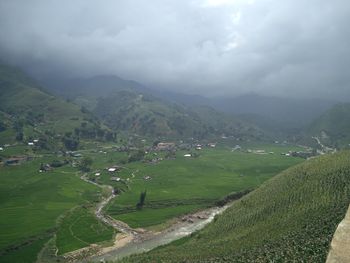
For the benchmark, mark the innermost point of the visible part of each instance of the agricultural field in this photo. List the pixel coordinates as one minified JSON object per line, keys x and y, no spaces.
{"x":59,"y":206}
{"x":180,"y":185}
{"x":33,"y":204}
{"x":290,"y":218}
{"x":79,"y":228}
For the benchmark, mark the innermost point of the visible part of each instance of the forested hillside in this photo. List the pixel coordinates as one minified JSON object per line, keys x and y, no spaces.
{"x":128,"y":106}
{"x":28,"y":111}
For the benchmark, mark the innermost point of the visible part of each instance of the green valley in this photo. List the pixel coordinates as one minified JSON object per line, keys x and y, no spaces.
{"x":100,"y":171}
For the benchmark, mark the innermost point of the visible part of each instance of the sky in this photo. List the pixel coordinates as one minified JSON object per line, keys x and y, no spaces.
{"x":293,"y":48}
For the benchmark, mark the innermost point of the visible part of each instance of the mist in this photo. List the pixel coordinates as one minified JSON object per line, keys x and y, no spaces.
{"x":288,"y":48}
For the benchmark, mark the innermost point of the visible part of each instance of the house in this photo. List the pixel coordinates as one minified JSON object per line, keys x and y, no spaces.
{"x":97,"y":174}
{"x":74,"y":154}
{"x":187,"y":155}
{"x":45,"y":168}
{"x":212,"y":145}
{"x":147,"y":177}
{"x":116,"y":179}
{"x":36,"y":140}
{"x":238,"y":148}
{"x":1,"y":149}
{"x":162,"y":146}
{"x":30,"y":143}
{"x":114,"y":168}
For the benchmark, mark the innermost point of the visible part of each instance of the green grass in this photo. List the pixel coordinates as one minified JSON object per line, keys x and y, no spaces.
{"x":179,"y":184}
{"x":290,"y":218}
{"x":80,"y":228}
{"x":149,"y":217}
{"x":26,"y":254}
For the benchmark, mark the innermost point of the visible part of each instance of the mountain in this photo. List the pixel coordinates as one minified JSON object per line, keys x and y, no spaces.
{"x":27,"y":111}
{"x":290,"y":218}
{"x":97,"y":86}
{"x":288,"y":113}
{"x":333,"y":127}
{"x":128,"y":106}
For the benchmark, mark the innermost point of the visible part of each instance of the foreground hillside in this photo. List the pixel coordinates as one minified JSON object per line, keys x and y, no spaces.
{"x":290,"y":218}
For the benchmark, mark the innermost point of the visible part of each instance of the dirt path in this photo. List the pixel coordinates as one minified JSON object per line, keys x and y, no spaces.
{"x":116,"y":224}
{"x":323,"y":147}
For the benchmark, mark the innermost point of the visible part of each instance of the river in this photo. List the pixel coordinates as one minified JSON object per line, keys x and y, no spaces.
{"x":178,"y":230}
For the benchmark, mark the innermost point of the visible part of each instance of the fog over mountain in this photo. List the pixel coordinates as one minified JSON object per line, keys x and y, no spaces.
{"x":284,"y":48}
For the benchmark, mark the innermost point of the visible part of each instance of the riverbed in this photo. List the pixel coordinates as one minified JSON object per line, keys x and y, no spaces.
{"x":180,"y":229}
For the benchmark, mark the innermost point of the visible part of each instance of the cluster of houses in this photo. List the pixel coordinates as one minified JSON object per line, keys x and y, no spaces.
{"x":304,"y":155}
{"x":168,"y":146}
{"x":32,"y":143}
{"x":165,"y":146}
{"x":112,"y":170}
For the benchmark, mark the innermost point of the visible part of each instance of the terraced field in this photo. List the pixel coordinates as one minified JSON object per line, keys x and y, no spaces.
{"x":32,"y":202}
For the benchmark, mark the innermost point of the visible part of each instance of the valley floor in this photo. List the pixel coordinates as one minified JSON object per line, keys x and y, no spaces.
{"x":47,"y":214}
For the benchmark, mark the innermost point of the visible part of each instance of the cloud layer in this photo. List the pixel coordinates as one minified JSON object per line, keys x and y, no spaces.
{"x":209,"y":47}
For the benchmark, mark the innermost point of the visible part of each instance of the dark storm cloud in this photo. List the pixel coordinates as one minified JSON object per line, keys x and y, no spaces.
{"x":212,"y":47}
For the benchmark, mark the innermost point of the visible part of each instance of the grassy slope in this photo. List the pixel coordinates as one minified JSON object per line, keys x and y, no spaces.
{"x":186,"y":184}
{"x":30,"y":204}
{"x":290,"y":218}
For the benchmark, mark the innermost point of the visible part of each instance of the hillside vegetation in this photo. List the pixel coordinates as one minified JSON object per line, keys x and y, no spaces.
{"x":290,"y":218}
{"x":27,"y":111}
{"x":333,"y":126}
{"x":128,"y":106}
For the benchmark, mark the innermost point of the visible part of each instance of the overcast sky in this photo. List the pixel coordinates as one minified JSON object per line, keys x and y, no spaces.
{"x":208,"y":47}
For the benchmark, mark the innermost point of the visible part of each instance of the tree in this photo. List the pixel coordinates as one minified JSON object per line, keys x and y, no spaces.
{"x":19,"y":136}
{"x":85,"y":164}
{"x":71,"y":143}
{"x":2,"y":126}
{"x":141,"y":202}
{"x":136,"y":156}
